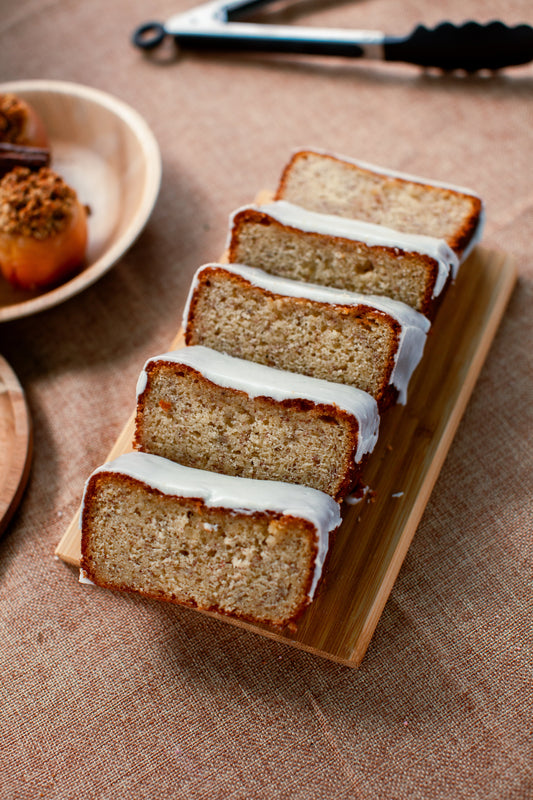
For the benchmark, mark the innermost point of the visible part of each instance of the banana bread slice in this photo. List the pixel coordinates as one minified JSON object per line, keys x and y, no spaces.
{"x":211,"y":411}
{"x":372,"y":343}
{"x":293,"y":242}
{"x":252,"y":549}
{"x":334,"y":184}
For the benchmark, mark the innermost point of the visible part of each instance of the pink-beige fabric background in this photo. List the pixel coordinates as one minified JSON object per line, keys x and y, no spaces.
{"x":109,"y":697}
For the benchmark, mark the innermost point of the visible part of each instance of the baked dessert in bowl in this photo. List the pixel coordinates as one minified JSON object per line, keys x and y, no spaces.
{"x":104,"y":150}
{"x":20,"y":124}
{"x":43,"y":229}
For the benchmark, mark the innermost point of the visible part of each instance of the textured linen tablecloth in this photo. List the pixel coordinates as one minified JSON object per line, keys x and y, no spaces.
{"x":108,"y":696}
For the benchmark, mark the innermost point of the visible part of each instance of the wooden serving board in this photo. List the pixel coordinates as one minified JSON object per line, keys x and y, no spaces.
{"x":414,"y":439}
{"x":15,"y":443}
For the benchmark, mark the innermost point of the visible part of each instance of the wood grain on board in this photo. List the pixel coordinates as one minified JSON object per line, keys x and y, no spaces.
{"x":414,"y":439}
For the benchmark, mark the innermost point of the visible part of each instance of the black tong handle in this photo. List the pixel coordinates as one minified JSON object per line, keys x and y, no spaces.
{"x":471,"y":46}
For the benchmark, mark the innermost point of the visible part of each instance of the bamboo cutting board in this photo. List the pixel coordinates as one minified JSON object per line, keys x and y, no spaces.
{"x":414,"y":439}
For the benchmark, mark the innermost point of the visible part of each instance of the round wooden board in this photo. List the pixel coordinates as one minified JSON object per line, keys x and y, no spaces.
{"x":15,"y":443}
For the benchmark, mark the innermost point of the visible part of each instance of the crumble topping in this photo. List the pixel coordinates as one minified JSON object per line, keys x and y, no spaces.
{"x":37,"y":204}
{"x":13,"y":117}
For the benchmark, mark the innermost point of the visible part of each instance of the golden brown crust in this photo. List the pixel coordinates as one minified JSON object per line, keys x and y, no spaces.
{"x":465,"y":233}
{"x":202,"y":280}
{"x":429,"y":303}
{"x":351,"y":470}
{"x":458,"y":241}
{"x":279,"y":194}
{"x":197,"y":505}
{"x":212,"y":609}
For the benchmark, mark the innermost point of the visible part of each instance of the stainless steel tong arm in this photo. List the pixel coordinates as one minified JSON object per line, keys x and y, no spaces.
{"x":211,"y":25}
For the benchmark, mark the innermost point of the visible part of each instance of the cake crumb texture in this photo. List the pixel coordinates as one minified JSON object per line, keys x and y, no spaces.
{"x":260,"y":241}
{"x":331,"y":185}
{"x":256,"y":566}
{"x":186,"y":418}
{"x":354,"y":345}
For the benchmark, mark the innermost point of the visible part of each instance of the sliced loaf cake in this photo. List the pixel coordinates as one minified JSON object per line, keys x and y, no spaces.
{"x":333,"y":184}
{"x":211,"y":411}
{"x":372,"y":343}
{"x":252,"y":549}
{"x":291,"y":241}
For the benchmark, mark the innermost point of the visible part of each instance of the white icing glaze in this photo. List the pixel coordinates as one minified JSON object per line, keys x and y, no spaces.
{"x":414,"y":326}
{"x":82,"y":578}
{"x":258,"y":380}
{"x":476,"y":238}
{"x":366,"y":232}
{"x":242,"y":495}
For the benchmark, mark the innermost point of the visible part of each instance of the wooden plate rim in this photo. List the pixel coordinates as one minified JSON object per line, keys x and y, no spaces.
{"x":22,"y":431}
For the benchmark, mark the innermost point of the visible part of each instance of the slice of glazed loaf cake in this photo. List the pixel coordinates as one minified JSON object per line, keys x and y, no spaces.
{"x":291,"y":241}
{"x":211,"y":411}
{"x":372,"y":343}
{"x":333,"y":184}
{"x":252,"y":549}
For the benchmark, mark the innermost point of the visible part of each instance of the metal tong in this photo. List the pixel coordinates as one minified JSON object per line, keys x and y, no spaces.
{"x":216,"y":26}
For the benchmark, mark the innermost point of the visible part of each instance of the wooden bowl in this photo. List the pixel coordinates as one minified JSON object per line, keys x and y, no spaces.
{"x":107,"y":153}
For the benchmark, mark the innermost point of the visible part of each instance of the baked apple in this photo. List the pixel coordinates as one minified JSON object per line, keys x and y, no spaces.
{"x":43,"y":228}
{"x":20,"y":123}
